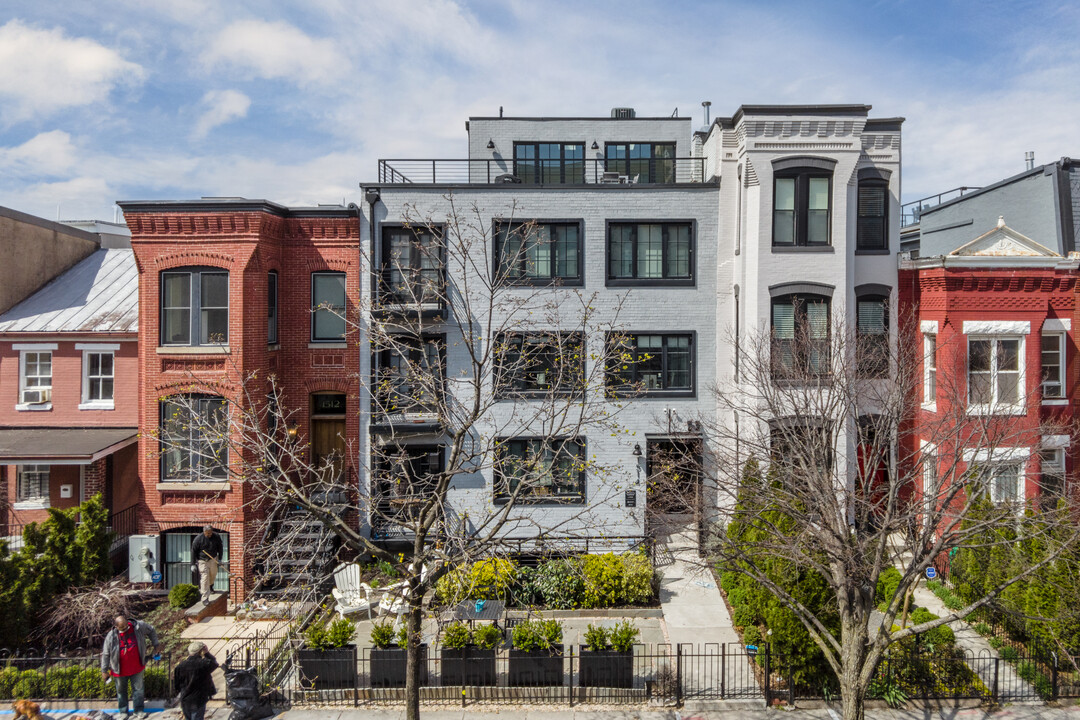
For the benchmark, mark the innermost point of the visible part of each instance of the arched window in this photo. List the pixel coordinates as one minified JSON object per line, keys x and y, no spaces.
{"x":802,"y":202}
{"x":800,"y":336}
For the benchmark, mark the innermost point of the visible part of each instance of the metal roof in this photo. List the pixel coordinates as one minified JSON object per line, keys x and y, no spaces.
{"x":79,"y":445}
{"x":100,"y":294}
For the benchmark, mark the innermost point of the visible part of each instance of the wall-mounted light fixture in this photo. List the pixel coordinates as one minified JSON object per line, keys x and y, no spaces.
{"x":293,"y":431}
{"x":637,"y":449}
{"x":491,"y":144}
{"x":595,"y":146}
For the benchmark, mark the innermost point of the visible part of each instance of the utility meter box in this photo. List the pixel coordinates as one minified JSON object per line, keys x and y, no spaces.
{"x":144,"y":558}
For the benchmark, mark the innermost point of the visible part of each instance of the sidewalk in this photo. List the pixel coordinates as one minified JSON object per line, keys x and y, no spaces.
{"x":694,"y":611}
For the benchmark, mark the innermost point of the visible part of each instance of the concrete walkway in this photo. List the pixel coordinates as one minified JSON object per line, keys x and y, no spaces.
{"x":1010,"y":685}
{"x":694,"y":611}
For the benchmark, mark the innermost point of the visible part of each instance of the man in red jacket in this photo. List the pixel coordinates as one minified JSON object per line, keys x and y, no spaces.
{"x":128,"y":647}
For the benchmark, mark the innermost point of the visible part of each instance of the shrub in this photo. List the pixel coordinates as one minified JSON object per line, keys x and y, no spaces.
{"x":537,"y":635}
{"x":559,"y":584}
{"x":489,"y":579}
{"x":637,"y":579}
{"x":887,"y":584}
{"x":938,"y":639}
{"x":183,"y":596}
{"x":456,"y":636}
{"x":8,"y":677}
{"x":382,"y":635}
{"x":751,"y":635}
{"x":316,"y":636}
{"x":157,"y":682}
{"x":31,"y":685}
{"x":403,"y":636}
{"x":60,"y":681}
{"x":604,"y":576}
{"x":88,"y":684}
{"x":982,"y":628}
{"x":995,"y":642}
{"x":487,"y":637}
{"x":340,"y":633}
{"x":743,"y":616}
{"x":596,"y":638}
{"x":1009,"y":653}
{"x":623,"y":636}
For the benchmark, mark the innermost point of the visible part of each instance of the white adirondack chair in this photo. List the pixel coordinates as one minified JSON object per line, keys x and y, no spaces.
{"x":352,"y":595}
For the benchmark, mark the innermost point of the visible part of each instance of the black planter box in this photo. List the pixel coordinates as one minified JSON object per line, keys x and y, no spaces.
{"x":607,"y":668}
{"x":388,"y":666}
{"x":536,"y":668}
{"x":468,"y":666}
{"x":328,"y":669}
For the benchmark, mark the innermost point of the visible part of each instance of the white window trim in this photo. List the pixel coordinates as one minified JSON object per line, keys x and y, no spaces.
{"x":928,"y":452}
{"x":1056,"y":442}
{"x":100,"y":348}
{"x":1060,"y":335}
{"x":929,"y":404}
{"x":1020,"y":406}
{"x":1057,"y":325}
{"x":24,"y":348}
{"x":42,"y":503}
{"x":997,"y":455}
{"x":997,"y":327}
{"x":1021,"y":483}
{"x":929,"y":327}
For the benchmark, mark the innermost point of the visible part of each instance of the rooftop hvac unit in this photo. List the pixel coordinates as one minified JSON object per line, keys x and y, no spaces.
{"x":144,"y":558}
{"x":623,"y":113}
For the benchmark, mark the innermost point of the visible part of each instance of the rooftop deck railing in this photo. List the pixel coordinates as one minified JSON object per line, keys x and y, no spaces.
{"x":594,"y":171}
{"x":911,"y":213}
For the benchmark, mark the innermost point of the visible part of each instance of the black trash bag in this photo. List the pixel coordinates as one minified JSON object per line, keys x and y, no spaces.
{"x":245,"y":695}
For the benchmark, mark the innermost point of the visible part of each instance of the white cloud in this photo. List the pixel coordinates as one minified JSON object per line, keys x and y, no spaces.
{"x":46,"y":154}
{"x":42,"y":71}
{"x":222,"y":106}
{"x":277,"y":50}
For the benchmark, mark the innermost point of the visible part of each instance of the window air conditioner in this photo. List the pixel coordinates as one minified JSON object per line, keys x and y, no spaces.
{"x":38,"y":396}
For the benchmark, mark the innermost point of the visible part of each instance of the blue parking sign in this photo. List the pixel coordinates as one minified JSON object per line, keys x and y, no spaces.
{"x":931,"y":573}
{"x":155,"y":577}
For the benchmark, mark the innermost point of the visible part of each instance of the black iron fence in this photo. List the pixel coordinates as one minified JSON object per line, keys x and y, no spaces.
{"x":593,"y":171}
{"x":34,"y":676}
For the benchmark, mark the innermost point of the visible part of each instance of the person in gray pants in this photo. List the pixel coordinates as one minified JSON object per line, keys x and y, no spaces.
{"x":127,"y":649}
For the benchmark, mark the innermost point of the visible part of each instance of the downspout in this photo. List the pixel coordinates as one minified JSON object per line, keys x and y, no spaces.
{"x":372,"y":196}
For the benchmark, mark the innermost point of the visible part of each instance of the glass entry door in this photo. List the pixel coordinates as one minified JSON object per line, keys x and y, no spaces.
{"x":178,"y":560}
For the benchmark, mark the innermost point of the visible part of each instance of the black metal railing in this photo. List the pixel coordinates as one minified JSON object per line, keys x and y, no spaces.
{"x":47,"y":676}
{"x":125,"y":522}
{"x":593,"y":171}
{"x":911,"y":212}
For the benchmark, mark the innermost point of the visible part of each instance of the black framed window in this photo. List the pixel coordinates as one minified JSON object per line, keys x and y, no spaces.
{"x":410,"y":374}
{"x":541,"y":469}
{"x":650,"y":253}
{"x":539,"y":363}
{"x":653,"y":363}
{"x":802,"y":452}
{"x":32,"y":483}
{"x":405,"y":478}
{"x":802,"y":204}
{"x":271,"y":307}
{"x":194,"y":438}
{"x":800,"y":336}
{"x":647,"y":162}
{"x":550,"y":163}
{"x":872,"y":336}
{"x":537,"y":252}
{"x":872,"y":229}
{"x":195,"y":307}
{"x":327,"y":306}
{"x":412,"y":266}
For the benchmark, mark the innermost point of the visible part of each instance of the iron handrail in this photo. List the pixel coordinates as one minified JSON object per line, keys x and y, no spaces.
{"x":539,"y":172}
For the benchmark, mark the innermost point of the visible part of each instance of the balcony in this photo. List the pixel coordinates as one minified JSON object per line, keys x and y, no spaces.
{"x":497,"y":171}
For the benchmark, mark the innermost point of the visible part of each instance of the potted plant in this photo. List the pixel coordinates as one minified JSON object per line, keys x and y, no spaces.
{"x":536,"y":659}
{"x":468,"y":657}
{"x":328,"y":660}
{"x":388,"y":656}
{"x":607,"y":658}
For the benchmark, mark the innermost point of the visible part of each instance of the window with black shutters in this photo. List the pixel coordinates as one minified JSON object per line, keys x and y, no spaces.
{"x":872,"y":337}
{"x":873,"y":225}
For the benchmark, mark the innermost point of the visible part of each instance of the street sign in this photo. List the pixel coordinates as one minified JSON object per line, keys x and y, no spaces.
{"x":155,"y":577}
{"x":751,"y":650}
{"x":931,"y":573}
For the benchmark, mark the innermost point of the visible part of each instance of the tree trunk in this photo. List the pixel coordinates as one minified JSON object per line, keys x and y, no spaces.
{"x":853,"y":659}
{"x":413,"y":659}
{"x":852,"y":695}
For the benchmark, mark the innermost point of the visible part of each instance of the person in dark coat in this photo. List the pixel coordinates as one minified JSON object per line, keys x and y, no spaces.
{"x":193,"y":681}
{"x":206,"y":552}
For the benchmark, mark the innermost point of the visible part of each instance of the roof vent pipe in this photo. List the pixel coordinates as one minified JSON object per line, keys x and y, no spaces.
{"x":705,"y":104}
{"x":1029,"y":160}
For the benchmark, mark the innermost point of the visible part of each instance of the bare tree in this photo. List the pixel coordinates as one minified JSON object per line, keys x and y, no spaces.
{"x":482,"y":391}
{"x":849,"y":484}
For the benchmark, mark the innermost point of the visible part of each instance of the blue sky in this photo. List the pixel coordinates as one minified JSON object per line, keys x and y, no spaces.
{"x":296,"y":101}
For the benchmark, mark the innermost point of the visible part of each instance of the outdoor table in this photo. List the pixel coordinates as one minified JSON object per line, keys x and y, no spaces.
{"x":465,"y":611}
